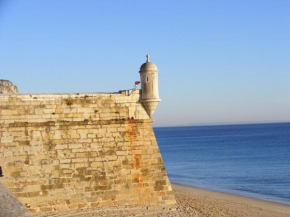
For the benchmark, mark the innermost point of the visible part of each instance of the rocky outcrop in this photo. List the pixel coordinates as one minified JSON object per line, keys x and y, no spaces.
{"x":10,"y":205}
{"x":7,"y":87}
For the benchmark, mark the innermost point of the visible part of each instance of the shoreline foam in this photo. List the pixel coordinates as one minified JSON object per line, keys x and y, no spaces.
{"x":263,"y":197}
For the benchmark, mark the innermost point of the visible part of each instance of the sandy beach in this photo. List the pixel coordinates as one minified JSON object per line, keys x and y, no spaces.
{"x":193,"y":202}
{"x":211,"y":203}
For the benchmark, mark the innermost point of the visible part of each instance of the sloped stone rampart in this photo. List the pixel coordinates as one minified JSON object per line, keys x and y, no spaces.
{"x":71,"y":151}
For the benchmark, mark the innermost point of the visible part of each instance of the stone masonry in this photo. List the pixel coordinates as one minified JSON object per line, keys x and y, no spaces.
{"x":72,"y":151}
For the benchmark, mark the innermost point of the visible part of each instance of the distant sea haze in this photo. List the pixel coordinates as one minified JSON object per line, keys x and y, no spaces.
{"x":251,"y":160}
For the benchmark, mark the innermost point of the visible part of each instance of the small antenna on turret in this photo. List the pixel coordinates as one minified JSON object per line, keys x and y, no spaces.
{"x":148,"y":56}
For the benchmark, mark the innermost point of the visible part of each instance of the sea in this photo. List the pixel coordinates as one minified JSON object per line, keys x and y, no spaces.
{"x":251,"y":160}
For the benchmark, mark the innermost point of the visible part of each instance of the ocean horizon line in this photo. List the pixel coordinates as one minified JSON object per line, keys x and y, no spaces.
{"x":223,"y":124}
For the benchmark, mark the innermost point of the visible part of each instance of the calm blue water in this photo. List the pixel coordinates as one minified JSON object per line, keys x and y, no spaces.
{"x":251,"y":160}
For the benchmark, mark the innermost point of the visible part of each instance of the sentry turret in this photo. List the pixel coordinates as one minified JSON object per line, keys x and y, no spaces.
{"x":149,"y":86}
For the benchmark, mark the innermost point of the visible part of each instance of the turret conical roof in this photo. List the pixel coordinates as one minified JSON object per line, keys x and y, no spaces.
{"x":148,"y":66}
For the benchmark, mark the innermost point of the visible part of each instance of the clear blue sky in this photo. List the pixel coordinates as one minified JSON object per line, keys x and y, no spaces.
{"x":219,"y":61}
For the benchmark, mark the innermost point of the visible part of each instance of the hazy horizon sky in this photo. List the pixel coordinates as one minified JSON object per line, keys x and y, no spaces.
{"x":219,"y":61}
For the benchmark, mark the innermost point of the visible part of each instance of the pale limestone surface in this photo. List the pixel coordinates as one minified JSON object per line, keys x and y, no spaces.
{"x":7,"y":87}
{"x":71,"y":151}
{"x":149,"y":85}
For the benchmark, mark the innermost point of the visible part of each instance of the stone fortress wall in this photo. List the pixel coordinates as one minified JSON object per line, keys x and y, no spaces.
{"x":70,"y":151}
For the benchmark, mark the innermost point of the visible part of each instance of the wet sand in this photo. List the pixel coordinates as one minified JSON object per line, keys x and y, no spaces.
{"x":192,"y":202}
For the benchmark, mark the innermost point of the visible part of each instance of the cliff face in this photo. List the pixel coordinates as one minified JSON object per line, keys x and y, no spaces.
{"x":7,"y":87}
